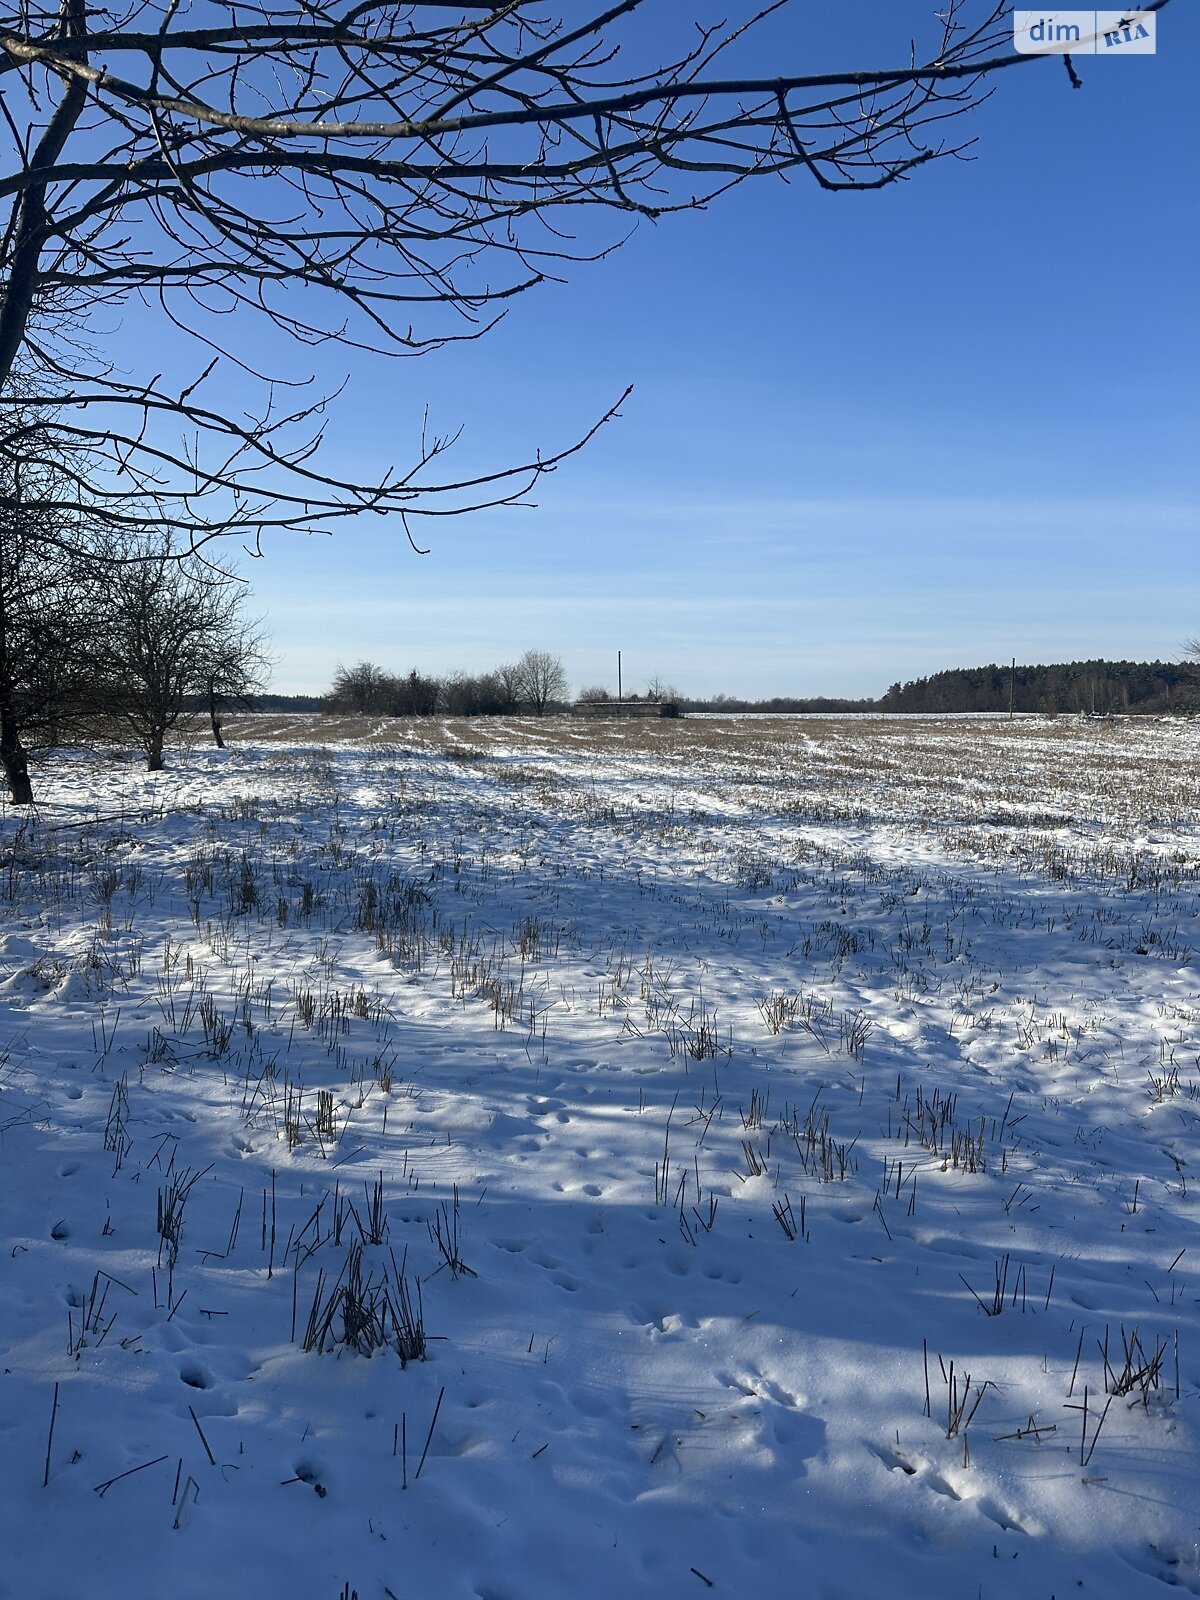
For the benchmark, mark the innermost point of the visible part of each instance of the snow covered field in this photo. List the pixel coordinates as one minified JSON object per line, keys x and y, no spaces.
{"x":508,"y":1161}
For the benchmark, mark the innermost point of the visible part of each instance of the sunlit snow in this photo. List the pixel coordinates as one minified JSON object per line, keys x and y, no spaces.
{"x":783,"y":1132}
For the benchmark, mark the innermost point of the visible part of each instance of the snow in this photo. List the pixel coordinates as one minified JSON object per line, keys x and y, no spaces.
{"x":729,"y":1082}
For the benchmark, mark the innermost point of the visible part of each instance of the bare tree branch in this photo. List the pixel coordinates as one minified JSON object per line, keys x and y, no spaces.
{"x":372,"y":176}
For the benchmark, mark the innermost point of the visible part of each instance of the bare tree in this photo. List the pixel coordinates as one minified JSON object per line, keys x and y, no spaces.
{"x":509,"y":683}
{"x":412,"y":696}
{"x":47,"y":605}
{"x":467,"y":695}
{"x":172,"y":631}
{"x":659,"y":689}
{"x":233,"y":666}
{"x":361,"y":689}
{"x":594,"y":694}
{"x":380,"y":176}
{"x":543,"y":678}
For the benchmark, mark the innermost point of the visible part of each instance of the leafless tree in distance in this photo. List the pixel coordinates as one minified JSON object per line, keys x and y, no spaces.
{"x":543,"y":678}
{"x":233,"y":668}
{"x":509,"y":680}
{"x":173,"y":631}
{"x":360,"y":689}
{"x":659,"y":689}
{"x":413,"y":695}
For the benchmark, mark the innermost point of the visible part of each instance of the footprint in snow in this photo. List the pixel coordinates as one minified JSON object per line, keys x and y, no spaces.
{"x":744,"y":1386}
{"x":1179,"y":1568}
{"x":719,"y":1274}
{"x":893,"y":1458}
{"x":543,"y":1108}
{"x":942,"y":1486}
{"x":308,"y":1472}
{"x":776,"y":1392}
{"x":757,"y":1387}
{"x":590,"y":1403}
{"x":1004,"y":1518}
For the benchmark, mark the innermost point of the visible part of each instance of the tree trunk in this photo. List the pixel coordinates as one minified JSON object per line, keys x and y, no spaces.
{"x":154,"y":750}
{"x":29,"y":235}
{"x":12,"y":753}
{"x":214,"y":716}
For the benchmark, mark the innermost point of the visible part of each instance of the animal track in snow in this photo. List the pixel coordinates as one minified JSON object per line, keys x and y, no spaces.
{"x":1178,"y":1568}
{"x":942,"y":1485}
{"x":308,"y":1472}
{"x":719,"y":1274}
{"x":757,"y":1387}
{"x":893,"y":1458}
{"x":1002,"y":1517}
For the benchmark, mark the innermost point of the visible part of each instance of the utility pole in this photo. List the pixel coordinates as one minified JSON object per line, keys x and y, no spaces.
{"x":619,"y":696}
{"x":1012,"y":688}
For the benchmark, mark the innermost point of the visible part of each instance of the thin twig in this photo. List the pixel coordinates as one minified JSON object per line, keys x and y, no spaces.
{"x":429,"y":1435}
{"x":203,"y":1440}
{"x":102,"y":1488}
{"x":50,"y":1438}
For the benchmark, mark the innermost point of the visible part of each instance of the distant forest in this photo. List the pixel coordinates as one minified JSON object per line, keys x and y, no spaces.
{"x":288,"y":702}
{"x":730,"y":703}
{"x":1102,"y":687}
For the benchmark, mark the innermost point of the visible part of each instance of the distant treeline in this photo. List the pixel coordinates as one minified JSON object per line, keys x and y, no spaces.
{"x":1102,"y":687}
{"x":536,"y":682}
{"x":265,"y":702}
{"x":730,"y":703}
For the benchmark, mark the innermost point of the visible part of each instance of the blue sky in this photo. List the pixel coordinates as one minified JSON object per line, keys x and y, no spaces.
{"x":871,"y":435}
